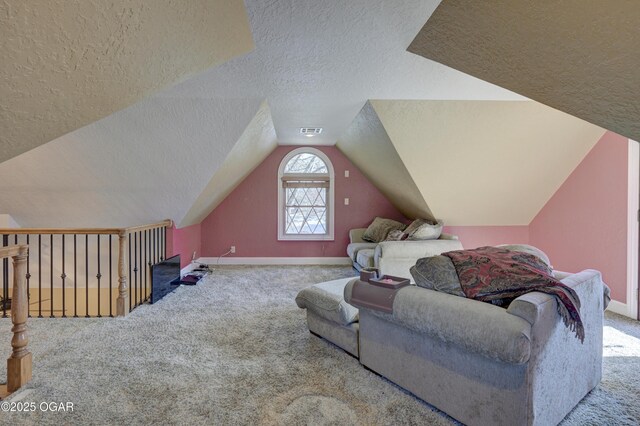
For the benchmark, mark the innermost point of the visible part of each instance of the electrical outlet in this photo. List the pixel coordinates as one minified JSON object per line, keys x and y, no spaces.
{"x":233,"y":249}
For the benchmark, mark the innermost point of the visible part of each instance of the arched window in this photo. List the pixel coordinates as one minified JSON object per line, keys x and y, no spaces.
{"x":305,"y":196}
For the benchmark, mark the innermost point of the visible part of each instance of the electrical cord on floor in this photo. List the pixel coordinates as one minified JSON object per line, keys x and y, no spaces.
{"x":221,"y":256}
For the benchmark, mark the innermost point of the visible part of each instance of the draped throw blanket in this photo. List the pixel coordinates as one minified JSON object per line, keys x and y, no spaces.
{"x":490,"y":273}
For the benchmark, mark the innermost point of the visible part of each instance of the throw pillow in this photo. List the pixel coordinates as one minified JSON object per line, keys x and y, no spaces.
{"x":380,"y":228}
{"x":437,"y":273}
{"x":526,"y":248}
{"x":396,"y":235}
{"x":426,"y":231}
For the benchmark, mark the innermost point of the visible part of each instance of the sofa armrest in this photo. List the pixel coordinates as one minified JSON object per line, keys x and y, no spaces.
{"x":588,"y":284}
{"x":445,"y":236}
{"x":415,"y":249}
{"x":355,"y":235}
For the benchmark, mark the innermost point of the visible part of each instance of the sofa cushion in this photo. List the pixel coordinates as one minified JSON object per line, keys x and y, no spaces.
{"x":422,"y":229}
{"x":437,"y":273}
{"x":476,"y":326}
{"x":380,"y":228}
{"x":354,"y":248}
{"x":327,"y":301}
{"x":365,"y":258}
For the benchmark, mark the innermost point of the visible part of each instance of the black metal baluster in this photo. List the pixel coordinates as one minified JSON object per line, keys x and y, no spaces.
{"x":140,"y":299}
{"x":155,"y":254}
{"x":147,"y":236}
{"x":75,"y":276}
{"x":86,"y":275}
{"x":63,"y":276}
{"x":110,"y":277}
{"x":39,"y":275}
{"x":51,"y":273}
{"x":28,"y":277}
{"x":98,"y":275}
{"x":135,"y":269}
{"x":5,"y":278}
{"x":130,"y":276}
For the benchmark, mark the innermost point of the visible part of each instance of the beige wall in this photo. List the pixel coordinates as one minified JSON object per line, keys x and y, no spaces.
{"x":257,"y":141}
{"x":486,"y":162}
{"x":368,"y":146}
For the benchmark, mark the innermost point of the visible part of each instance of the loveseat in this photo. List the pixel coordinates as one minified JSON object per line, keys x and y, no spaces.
{"x":483,"y":364}
{"x":395,"y":257}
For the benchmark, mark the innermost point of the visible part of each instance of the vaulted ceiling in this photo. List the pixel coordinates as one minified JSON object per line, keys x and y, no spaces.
{"x":578,"y":56}
{"x":178,"y":152}
{"x":66,"y":64}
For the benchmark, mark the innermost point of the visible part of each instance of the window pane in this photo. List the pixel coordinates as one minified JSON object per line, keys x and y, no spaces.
{"x":308,"y":197}
{"x":306,"y":211}
{"x":305,"y":163}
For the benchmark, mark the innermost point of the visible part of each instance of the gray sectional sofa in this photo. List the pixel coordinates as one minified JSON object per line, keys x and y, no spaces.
{"x":479,"y":363}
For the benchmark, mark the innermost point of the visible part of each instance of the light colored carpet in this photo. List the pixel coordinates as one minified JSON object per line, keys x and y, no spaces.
{"x":235,"y":350}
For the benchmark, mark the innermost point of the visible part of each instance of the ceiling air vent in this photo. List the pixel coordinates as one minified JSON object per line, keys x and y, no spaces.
{"x":310,"y":131}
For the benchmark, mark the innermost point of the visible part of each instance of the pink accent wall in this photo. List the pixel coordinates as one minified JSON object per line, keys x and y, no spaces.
{"x":247,"y":218}
{"x":478,"y":236}
{"x":184,"y":241}
{"x":584,"y":224}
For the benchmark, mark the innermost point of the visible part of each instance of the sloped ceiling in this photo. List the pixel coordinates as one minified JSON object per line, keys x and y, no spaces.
{"x":317,"y":63}
{"x":580,"y":57}
{"x":463,"y":149}
{"x":256,"y":143}
{"x":66,"y":64}
{"x":368,"y":146}
{"x":485,"y":162}
{"x":146,"y":163}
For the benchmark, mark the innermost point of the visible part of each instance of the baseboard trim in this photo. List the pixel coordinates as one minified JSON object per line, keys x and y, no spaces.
{"x":619,"y":308}
{"x":190,"y":267}
{"x":275,"y":260}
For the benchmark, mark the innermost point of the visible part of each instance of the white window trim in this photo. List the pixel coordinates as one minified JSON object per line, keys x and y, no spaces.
{"x":329,"y":236}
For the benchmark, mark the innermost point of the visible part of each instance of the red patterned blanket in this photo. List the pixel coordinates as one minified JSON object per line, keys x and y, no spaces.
{"x":491,"y":273}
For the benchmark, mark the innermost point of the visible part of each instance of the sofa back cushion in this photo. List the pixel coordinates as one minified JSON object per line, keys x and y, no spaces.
{"x":437,"y":273}
{"x":380,"y":228}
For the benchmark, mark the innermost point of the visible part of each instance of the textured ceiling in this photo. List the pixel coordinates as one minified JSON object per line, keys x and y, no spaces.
{"x":148,"y":162}
{"x":256,"y":143}
{"x":486,"y":162}
{"x":317,"y":63}
{"x":368,"y":146}
{"x":66,"y":64}
{"x":577,"y":56}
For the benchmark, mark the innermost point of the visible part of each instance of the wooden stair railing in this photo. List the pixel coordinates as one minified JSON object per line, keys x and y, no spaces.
{"x":19,"y":363}
{"x":138,"y":247}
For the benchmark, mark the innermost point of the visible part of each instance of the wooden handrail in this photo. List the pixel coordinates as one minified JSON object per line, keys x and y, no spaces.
{"x":123,"y":245}
{"x":19,"y":363}
{"x":168,"y":223}
{"x":83,"y":231}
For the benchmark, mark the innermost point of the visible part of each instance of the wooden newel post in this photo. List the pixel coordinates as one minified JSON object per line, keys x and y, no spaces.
{"x":19,"y":363}
{"x":122,"y":304}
